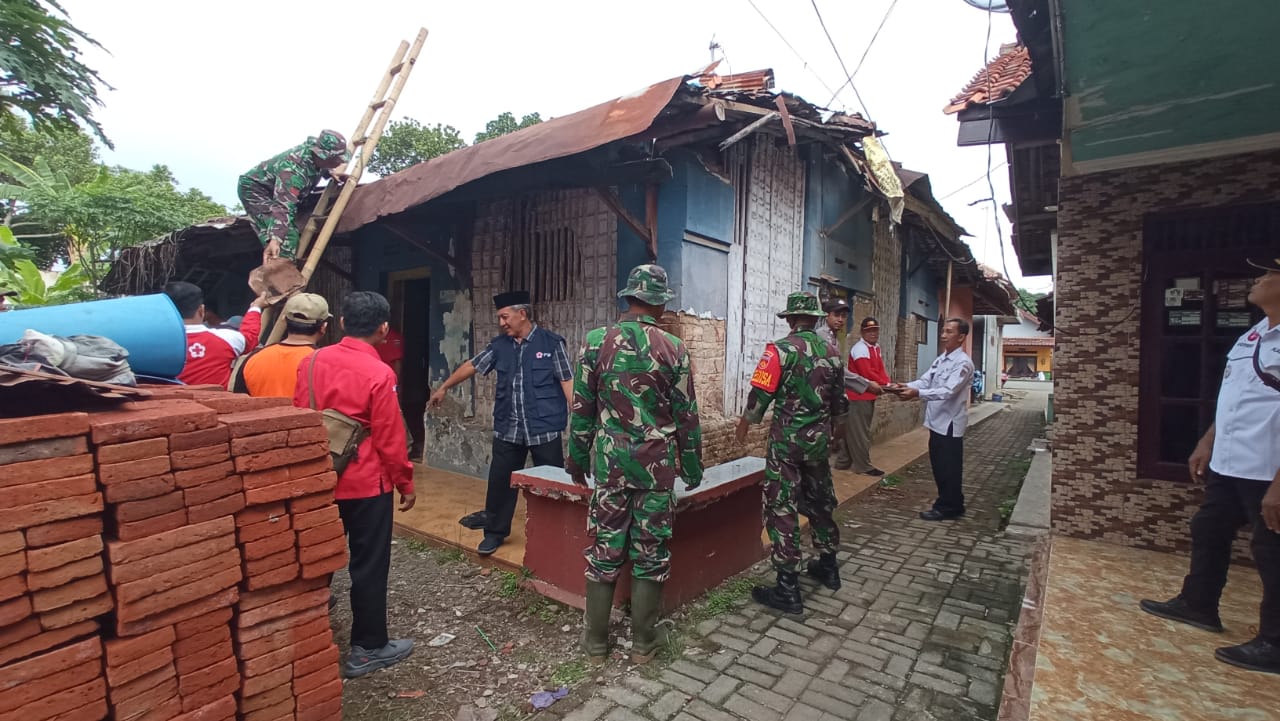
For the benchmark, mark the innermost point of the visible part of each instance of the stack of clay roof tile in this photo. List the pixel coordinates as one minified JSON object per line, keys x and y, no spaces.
{"x":215,"y":515}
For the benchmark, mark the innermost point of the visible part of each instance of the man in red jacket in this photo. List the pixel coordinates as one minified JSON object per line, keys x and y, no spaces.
{"x":350,"y":378}
{"x":212,"y":351}
{"x":866,"y":361}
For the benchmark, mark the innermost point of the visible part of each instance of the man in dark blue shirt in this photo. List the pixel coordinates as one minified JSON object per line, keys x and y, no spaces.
{"x":530,"y":409}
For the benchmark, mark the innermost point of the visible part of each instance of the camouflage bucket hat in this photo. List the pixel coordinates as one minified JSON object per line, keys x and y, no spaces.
{"x":329,"y":144}
{"x":648,"y":284}
{"x":802,"y":304}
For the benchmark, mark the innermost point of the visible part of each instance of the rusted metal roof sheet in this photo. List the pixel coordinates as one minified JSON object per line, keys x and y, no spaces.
{"x":752,"y":80}
{"x":22,"y":390}
{"x":556,"y":138}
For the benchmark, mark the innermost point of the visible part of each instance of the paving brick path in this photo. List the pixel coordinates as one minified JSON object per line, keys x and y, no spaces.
{"x":920,"y":630}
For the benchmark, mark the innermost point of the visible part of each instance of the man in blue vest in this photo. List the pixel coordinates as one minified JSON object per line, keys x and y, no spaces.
{"x":530,"y":410}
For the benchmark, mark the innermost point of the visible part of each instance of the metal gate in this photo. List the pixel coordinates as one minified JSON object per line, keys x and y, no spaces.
{"x":765,"y":260}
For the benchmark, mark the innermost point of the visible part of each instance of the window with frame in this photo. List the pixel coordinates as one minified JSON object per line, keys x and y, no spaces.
{"x":1194,"y":307}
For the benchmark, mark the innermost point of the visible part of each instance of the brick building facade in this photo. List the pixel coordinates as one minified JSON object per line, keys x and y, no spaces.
{"x":1099,"y":491}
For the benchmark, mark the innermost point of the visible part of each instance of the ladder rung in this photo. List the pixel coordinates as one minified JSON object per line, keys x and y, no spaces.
{"x":378,"y":105}
{"x":395,"y":69}
{"x":360,"y":141}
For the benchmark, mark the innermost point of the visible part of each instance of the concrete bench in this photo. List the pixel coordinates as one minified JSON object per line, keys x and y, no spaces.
{"x":716,"y":533}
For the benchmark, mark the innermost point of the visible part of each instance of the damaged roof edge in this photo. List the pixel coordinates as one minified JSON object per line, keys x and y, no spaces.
{"x":556,"y":138}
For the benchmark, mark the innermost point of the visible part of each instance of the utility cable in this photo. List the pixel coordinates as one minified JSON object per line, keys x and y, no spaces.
{"x":866,"y":52}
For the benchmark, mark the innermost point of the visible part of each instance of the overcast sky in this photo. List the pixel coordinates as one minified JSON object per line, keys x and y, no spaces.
{"x":212,"y":88}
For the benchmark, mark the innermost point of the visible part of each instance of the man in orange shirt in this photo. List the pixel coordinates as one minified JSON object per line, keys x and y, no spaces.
{"x":273,"y":371}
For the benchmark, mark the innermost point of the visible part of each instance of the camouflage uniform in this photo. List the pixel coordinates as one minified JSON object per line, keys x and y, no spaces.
{"x":804,"y":379}
{"x":271,"y":191}
{"x":636,"y":416}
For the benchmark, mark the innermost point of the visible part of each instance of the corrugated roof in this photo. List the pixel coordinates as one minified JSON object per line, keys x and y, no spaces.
{"x":997,"y":81}
{"x":556,"y":138}
{"x":753,"y":80}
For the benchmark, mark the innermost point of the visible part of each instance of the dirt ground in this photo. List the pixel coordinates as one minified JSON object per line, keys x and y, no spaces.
{"x":435,"y":591}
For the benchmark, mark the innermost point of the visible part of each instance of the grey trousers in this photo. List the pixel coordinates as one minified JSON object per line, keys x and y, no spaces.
{"x":857,"y":435}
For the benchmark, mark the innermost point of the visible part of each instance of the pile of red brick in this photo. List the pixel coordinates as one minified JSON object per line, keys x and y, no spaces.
{"x":168,"y":560}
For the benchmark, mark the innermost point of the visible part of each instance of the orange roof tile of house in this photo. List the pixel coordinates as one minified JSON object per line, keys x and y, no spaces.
{"x":995,"y":82}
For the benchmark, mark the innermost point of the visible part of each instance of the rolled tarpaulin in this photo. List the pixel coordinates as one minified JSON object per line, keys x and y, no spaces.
{"x":148,"y":326}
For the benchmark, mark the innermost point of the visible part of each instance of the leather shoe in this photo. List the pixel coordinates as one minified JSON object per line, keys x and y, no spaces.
{"x":1177,"y":609}
{"x":874,"y":472}
{"x":935,"y":515}
{"x":475,"y":521}
{"x":1256,"y":655}
{"x":489,"y":545}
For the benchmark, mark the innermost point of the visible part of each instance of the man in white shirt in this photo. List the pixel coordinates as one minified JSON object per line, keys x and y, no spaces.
{"x":1241,"y":452}
{"x":945,"y":390}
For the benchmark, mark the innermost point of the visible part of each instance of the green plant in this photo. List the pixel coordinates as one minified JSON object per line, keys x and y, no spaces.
{"x":449,"y":556}
{"x":417,"y":545}
{"x":569,"y":673}
{"x":510,"y":585}
{"x":545,"y":609}
{"x":1006,"y":510}
{"x":890,"y":481}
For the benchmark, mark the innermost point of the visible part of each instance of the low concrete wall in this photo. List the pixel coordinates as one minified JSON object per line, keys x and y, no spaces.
{"x":894,"y":417}
{"x":716,"y":532}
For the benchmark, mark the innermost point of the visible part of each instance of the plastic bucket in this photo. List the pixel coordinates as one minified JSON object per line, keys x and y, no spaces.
{"x":148,"y":326}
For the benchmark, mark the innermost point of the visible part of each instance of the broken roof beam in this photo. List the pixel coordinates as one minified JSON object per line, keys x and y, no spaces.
{"x":786,"y":120}
{"x":753,"y":127}
{"x":641,"y":229}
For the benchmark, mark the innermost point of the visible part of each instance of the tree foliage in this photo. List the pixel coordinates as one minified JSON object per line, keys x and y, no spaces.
{"x":41,"y":74}
{"x":506,"y":123}
{"x":1027,"y":300}
{"x":407,"y":142}
{"x":97,"y":218}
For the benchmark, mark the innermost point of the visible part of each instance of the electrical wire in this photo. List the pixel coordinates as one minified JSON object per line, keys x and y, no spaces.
{"x":845,"y":68}
{"x":790,"y":47}
{"x":866,"y":52}
{"x":973,"y":182}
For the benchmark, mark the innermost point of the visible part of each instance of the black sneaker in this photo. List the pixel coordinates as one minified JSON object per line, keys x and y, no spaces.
{"x":1176,"y":609}
{"x":1256,"y":655}
{"x":362,"y":661}
{"x":874,"y":472}
{"x":489,"y":545}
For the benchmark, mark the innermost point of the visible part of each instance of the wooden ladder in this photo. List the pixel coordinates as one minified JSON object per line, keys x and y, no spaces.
{"x":328,"y":211}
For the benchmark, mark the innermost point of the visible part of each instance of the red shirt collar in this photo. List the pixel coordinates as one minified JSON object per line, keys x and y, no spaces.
{"x":359,"y":345}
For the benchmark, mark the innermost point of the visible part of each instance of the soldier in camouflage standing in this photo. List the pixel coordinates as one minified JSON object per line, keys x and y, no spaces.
{"x":635,"y":416}
{"x":271,"y":191}
{"x":804,"y":380}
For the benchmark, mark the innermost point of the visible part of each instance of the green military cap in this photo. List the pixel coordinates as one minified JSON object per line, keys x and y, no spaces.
{"x":802,"y":304}
{"x":648,"y":284}
{"x":329,"y":144}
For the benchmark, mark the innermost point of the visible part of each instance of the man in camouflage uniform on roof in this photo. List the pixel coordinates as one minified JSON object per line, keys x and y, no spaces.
{"x":635,"y":416}
{"x":271,"y":191}
{"x":804,"y":380}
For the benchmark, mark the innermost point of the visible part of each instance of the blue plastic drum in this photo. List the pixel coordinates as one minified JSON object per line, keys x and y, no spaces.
{"x":148,"y":326}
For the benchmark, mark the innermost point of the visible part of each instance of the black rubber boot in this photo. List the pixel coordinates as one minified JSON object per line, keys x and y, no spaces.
{"x":824,"y":569}
{"x":595,"y":634}
{"x":783,"y":597}
{"x":646,"y":597}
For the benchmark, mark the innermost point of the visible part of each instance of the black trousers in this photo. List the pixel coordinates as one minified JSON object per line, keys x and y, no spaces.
{"x":946,"y":455}
{"x":1230,"y":503}
{"x":368,"y":524}
{"x":500,"y":501}
{"x":415,"y":412}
